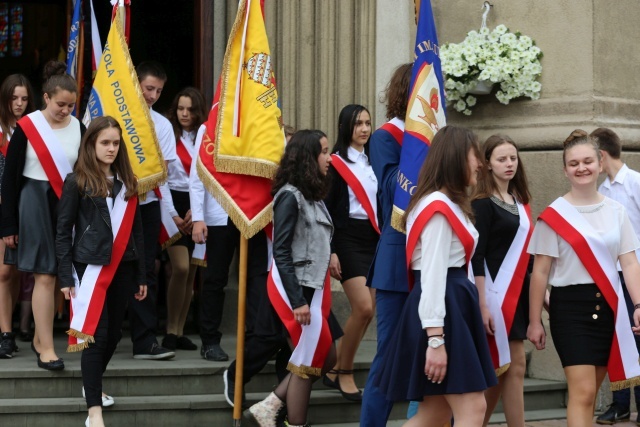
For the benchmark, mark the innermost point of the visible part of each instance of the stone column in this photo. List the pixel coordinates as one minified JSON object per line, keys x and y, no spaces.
{"x":589,"y":79}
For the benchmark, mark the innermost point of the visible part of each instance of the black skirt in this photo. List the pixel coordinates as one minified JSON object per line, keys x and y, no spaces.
{"x":469,"y":365}
{"x":182,"y":204}
{"x":36,"y":251}
{"x":355,"y":246}
{"x":582,"y":325}
{"x":521,"y":317}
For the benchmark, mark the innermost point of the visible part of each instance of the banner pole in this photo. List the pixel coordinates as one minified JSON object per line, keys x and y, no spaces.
{"x":242,"y":306}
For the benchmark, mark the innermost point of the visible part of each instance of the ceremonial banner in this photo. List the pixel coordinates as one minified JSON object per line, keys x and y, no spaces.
{"x":248,"y":131}
{"x":425,"y":110}
{"x":116,"y":92}
{"x":246,"y":199}
{"x":74,"y":41}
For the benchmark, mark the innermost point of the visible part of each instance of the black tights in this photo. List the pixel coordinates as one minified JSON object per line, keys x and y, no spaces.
{"x":96,"y":357}
{"x":296,"y":391}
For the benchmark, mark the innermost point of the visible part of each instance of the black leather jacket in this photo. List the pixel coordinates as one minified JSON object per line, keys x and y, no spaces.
{"x":93,"y":240}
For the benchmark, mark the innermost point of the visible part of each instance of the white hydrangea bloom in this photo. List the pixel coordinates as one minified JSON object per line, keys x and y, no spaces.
{"x":500,"y":56}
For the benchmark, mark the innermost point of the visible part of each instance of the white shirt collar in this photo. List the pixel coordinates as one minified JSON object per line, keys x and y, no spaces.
{"x":619,"y":178}
{"x":356,"y":155}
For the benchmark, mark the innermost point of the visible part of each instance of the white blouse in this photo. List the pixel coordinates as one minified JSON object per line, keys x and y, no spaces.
{"x":609,"y":218}
{"x":364,"y":172}
{"x":179,"y":178}
{"x":69,"y":137}
{"x":442,"y":251}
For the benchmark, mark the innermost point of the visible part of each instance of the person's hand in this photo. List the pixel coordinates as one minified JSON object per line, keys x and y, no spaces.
{"x":179,"y":223}
{"x":69,"y":292}
{"x":636,"y":321}
{"x":487,"y":320}
{"x":199,"y":232}
{"x":545,"y":303}
{"x":536,"y":334}
{"x":302,"y":315}
{"x":435,"y":367}
{"x":188,"y":225}
{"x":334,"y":267}
{"x":142,"y":293}
{"x":11,"y":241}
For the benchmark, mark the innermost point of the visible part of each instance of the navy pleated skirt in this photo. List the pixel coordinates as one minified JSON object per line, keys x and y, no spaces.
{"x":469,"y":366}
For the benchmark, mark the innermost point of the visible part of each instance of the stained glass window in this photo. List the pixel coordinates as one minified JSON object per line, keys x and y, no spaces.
{"x":11,"y":34}
{"x":4,"y":30}
{"x":16,"y":30}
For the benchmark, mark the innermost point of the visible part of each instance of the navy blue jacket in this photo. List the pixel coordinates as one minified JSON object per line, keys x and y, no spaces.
{"x":389,"y":269}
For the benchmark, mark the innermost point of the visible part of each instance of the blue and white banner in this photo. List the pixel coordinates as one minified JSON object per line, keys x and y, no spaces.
{"x":74,"y":40}
{"x":425,"y":110}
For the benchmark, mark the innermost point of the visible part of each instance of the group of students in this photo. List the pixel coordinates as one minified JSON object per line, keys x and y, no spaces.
{"x":451,"y":328}
{"x":71,"y":216}
{"x":453,"y":296}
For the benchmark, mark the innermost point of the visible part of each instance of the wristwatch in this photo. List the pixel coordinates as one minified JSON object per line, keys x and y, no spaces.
{"x":435,"y":342}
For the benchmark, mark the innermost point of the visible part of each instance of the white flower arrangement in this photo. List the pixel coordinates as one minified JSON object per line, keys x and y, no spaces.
{"x":498,"y":56}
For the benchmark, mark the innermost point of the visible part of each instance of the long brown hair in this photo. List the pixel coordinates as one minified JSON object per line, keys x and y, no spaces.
{"x":396,"y":93}
{"x":6,"y":95}
{"x":487,"y":186}
{"x":447,"y":167}
{"x":89,"y":176}
{"x":198,"y":110}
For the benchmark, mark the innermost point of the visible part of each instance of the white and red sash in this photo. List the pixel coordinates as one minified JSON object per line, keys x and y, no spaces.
{"x":503,"y":293}
{"x":169,"y":231}
{"x":5,"y":147}
{"x":368,"y":201}
{"x":185,"y":152}
{"x":568,"y":223}
{"x":48,"y":148}
{"x":312,"y":342}
{"x":86,"y":306}
{"x":395,"y":127}
{"x":437,"y":202}
{"x":199,"y":255}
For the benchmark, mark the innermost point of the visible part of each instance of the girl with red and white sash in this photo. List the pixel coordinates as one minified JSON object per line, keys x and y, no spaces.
{"x":16,"y":100}
{"x":439,"y":353}
{"x":298,"y":285}
{"x":187,"y":113}
{"x":577,"y":242}
{"x":43,"y":150}
{"x":101,"y":264}
{"x":500,"y":204}
{"x":353,"y":206}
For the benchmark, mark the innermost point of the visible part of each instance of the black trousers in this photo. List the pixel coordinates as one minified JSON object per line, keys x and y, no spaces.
{"x":143,"y":317}
{"x":96,"y":357}
{"x":222,"y":242}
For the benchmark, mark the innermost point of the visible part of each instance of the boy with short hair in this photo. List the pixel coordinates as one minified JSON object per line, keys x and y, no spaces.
{"x":142,"y":314}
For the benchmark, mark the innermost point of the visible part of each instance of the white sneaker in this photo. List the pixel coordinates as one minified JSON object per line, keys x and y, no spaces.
{"x":106,"y":401}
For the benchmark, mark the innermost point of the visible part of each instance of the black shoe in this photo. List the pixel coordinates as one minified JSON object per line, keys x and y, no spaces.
{"x":170,"y":342}
{"x":185,"y":343}
{"x":52,"y":365}
{"x":613,"y":415}
{"x":33,"y":348}
{"x":26,"y":336}
{"x":213,"y":352}
{"x":7,"y":345}
{"x":230,"y":389}
{"x":352,"y":397}
{"x":155,"y":353}
{"x":329,"y":382}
